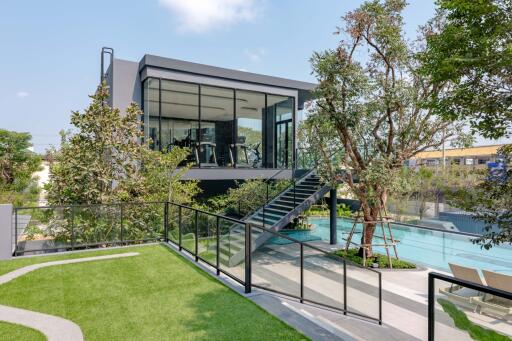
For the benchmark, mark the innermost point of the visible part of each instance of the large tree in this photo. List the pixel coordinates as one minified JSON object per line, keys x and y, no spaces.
{"x":372,"y":93}
{"x":102,"y":160}
{"x":17,"y":167}
{"x":469,"y":43}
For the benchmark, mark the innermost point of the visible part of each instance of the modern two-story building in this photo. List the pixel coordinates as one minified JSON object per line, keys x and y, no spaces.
{"x":238,"y":125}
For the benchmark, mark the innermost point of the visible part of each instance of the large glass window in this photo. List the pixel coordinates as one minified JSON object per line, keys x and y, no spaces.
{"x":221,"y":126}
{"x":151,"y":112}
{"x":180,"y":116}
{"x":217,"y":119}
{"x":280,"y":113}
{"x":250,"y":108}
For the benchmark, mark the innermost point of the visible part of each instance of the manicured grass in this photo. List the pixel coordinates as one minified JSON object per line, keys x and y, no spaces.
{"x":16,"y":263}
{"x":156,"y":295}
{"x":381,"y":259}
{"x":461,"y":321}
{"x":16,"y":332}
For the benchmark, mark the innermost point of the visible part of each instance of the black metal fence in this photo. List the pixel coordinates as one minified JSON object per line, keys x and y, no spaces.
{"x":471,"y":307}
{"x":282,"y":264}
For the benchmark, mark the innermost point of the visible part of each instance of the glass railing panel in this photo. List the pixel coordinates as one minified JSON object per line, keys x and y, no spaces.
{"x":188,"y":229}
{"x":96,"y":224}
{"x":173,"y":223}
{"x":36,"y":230}
{"x":462,"y":313}
{"x":275,"y":262}
{"x":207,"y":237}
{"x":362,"y":291}
{"x":232,"y":248}
{"x":323,"y":278}
{"x":143,"y":221}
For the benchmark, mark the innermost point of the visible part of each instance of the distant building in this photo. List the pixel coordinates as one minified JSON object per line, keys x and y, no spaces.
{"x":473,"y":156}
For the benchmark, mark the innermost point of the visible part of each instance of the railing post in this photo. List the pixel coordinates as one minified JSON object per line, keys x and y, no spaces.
{"x":179,"y":228}
{"x":121,"y":220}
{"x":301,"y":273}
{"x":344,"y":287}
{"x":431,"y":307}
{"x":72,"y":227}
{"x":16,"y":231}
{"x":248,"y":261}
{"x":218,"y":246}
{"x":197,"y":236}
{"x":166,"y":222}
{"x":380,"y":298}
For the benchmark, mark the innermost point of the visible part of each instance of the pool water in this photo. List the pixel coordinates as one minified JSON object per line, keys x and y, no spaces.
{"x":434,"y":249}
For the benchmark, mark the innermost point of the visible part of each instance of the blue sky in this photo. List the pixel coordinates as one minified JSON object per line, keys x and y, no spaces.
{"x":50,"y":49}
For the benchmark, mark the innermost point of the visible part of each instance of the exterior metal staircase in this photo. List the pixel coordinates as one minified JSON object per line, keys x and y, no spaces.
{"x":277,"y":213}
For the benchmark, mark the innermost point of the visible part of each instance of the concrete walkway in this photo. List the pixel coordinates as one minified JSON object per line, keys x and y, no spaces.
{"x":53,"y":327}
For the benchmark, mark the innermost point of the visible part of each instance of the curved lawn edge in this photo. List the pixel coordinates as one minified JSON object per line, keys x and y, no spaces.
{"x":168,"y":295}
{"x":22,"y":261}
{"x":53,"y":327}
{"x":15,"y":332}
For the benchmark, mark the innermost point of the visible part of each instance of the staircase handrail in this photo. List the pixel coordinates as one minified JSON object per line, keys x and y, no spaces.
{"x":294,"y":182}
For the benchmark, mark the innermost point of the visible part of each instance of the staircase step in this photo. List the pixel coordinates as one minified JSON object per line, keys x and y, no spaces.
{"x":270,"y":214}
{"x":276,"y":210}
{"x":289,"y":204}
{"x":297,"y":195}
{"x":286,"y":208}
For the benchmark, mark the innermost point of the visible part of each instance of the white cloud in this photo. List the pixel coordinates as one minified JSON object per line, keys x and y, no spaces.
{"x":202,"y":15}
{"x":256,"y":55}
{"x":242,"y":69}
{"x":21,"y":94}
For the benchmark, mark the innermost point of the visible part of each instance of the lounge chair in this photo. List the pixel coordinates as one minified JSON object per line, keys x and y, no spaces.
{"x":463,"y":296}
{"x":494,"y":305}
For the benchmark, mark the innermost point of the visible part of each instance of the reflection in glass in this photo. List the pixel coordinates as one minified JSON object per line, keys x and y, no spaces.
{"x":151,"y":112}
{"x":216,"y":125}
{"x":248,"y":149}
{"x":180,"y":116}
{"x":280,"y":113}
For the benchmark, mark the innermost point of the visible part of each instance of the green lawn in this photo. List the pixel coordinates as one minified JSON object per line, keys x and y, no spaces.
{"x":15,"y":332}
{"x":157,"y":295}
{"x":383,"y":260}
{"x":461,"y":321}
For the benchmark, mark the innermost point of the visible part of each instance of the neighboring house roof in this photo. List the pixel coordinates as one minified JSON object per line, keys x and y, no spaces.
{"x":460,"y":152}
{"x":219,"y":72}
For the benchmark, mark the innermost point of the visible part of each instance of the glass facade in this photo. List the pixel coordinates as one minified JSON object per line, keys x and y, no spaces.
{"x":223,"y":127}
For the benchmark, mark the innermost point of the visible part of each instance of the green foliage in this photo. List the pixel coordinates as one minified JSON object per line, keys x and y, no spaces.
{"x":246,"y":197}
{"x":103,"y":163}
{"x":490,"y":201}
{"x":162,"y":179}
{"x":100,"y":162}
{"x":425,"y":184}
{"x":342,"y":211}
{"x":17,"y":167}
{"x":372,"y":98}
{"x":469,"y":46}
{"x":382,"y":260}
{"x":461,"y":321}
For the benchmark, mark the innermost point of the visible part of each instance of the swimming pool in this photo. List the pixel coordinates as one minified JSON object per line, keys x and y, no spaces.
{"x":434,"y":249}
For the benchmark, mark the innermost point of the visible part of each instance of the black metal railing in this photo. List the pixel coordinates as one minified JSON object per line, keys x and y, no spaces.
{"x":301,"y":169}
{"x":71,"y":227}
{"x":224,"y":243}
{"x":458,"y":296}
{"x":212,"y":241}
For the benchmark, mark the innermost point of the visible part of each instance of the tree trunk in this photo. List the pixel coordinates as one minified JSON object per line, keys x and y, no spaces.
{"x":370,"y":215}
